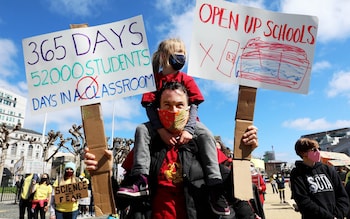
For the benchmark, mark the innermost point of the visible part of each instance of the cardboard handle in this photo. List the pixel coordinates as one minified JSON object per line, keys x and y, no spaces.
{"x":242,"y":154}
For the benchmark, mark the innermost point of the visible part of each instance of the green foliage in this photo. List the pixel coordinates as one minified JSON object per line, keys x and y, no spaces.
{"x":8,"y":189}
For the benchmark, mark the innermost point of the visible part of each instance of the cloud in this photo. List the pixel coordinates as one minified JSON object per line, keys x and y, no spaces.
{"x":321,"y":65}
{"x":251,"y":3}
{"x":125,"y":108}
{"x":340,"y":84}
{"x":171,"y":6}
{"x":181,"y":25}
{"x":78,"y":8}
{"x":20,"y":88}
{"x":333,"y":16}
{"x":123,"y":125}
{"x":58,"y":120}
{"x":227,"y":91}
{"x":307,"y":124}
{"x":8,"y":52}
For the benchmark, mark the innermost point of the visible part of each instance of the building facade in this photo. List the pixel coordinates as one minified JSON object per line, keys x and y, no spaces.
{"x":24,"y":151}
{"x":12,"y":107}
{"x":337,"y":140}
{"x":24,"y":154}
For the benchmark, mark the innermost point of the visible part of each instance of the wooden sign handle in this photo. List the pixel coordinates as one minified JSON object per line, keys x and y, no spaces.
{"x":242,"y":181}
{"x":244,"y":118}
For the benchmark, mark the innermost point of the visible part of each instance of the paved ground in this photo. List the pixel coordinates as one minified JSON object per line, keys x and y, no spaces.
{"x":272,"y":207}
{"x":9,"y":210}
{"x":275,"y":210}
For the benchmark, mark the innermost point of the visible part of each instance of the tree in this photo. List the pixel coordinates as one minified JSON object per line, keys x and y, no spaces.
{"x":5,"y":132}
{"x":121,"y":149}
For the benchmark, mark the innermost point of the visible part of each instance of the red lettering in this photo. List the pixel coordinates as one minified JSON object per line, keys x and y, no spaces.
{"x":268,"y":26}
{"x":220,"y":16}
{"x":252,"y":24}
{"x":206,"y":13}
{"x":313,"y":38}
{"x":283,"y":32}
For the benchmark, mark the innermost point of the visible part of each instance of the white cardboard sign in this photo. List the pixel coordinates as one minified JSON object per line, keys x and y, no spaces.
{"x":83,"y":66}
{"x":252,"y":47}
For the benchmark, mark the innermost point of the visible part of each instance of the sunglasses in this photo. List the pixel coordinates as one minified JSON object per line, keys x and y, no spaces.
{"x":315,"y":149}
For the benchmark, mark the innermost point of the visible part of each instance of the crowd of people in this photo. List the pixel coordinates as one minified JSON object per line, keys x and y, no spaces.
{"x":178,"y":169}
{"x":37,"y":196}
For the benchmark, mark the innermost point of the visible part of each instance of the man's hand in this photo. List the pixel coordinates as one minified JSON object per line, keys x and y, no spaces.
{"x":250,"y":137}
{"x":91,"y":163}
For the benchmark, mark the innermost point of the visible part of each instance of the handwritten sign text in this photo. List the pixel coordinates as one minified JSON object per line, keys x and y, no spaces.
{"x":87,"y":65}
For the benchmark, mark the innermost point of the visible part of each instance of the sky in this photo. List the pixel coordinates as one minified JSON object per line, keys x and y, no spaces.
{"x":281,"y":117}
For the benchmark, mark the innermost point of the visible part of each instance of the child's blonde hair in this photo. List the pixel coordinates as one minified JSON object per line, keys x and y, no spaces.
{"x":165,"y":49}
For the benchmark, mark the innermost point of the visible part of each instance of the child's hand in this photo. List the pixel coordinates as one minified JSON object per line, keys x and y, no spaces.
{"x":185,"y":137}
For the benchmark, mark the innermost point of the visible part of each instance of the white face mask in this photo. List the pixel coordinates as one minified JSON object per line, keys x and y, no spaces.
{"x":253,"y":170}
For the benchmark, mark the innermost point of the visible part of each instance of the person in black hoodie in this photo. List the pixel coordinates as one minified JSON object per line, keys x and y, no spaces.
{"x":316,"y":187}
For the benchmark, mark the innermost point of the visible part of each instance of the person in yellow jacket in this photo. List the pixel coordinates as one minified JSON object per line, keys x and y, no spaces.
{"x":42,"y":196}
{"x":67,"y":210}
{"x":27,"y":195}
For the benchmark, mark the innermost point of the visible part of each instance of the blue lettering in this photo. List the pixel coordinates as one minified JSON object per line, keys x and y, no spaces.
{"x":44,"y":101}
{"x":101,"y":41}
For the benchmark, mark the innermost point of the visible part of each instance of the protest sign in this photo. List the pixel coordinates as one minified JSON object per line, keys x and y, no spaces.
{"x":18,"y":166}
{"x":65,"y":193}
{"x":252,"y":47}
{"x":83,"y":66}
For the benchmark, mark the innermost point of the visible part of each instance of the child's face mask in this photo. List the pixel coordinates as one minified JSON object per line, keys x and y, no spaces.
{"x":175,"y":122}
{"x":177,"y":61}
